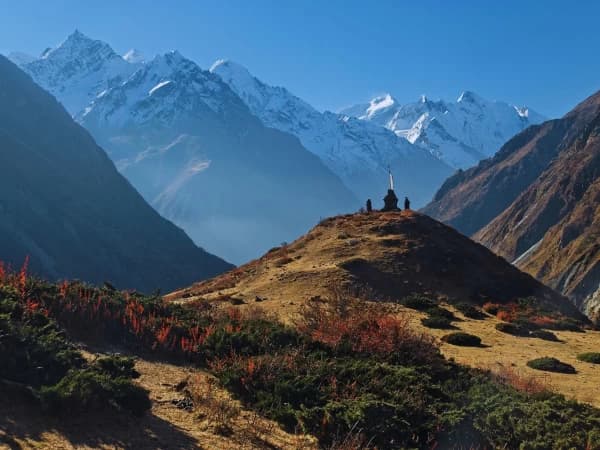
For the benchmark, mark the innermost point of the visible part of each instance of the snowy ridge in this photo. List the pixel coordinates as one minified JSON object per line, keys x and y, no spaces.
{"x":165,"y":88}
{"x":461,"y":133}
{"x":354,"y":149}
{"x":79,"y":69}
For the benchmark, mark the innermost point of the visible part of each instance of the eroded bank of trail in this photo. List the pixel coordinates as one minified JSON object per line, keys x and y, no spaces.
{"x":189,"y":411}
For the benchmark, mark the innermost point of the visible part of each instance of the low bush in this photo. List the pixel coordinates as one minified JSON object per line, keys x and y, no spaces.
{"x":545,"y":335}
{"x":470,"y":311}
{"x":511,"y":328}
{"x":438,"y":322}
{"x":92,"y":389}
{"x":438,"y":311}
{"x":418,"y":302}
{"x":462,"y":339}
{"x":591,"y":357}
{"x":550,"y":364}
{"x":37,"y":355}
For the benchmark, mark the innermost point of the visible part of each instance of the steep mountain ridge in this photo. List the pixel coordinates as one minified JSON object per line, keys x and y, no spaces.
{"x":534,"y":203}
{"x":357,"y":151}
{"x":461,"y":133}
{"x":63,"y":203}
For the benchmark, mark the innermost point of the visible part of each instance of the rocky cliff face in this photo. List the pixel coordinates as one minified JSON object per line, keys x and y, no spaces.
{"x":535,"y":202}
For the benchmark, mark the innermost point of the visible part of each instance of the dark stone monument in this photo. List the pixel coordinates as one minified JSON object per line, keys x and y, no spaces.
{"x":390,"y":201}
{"x":369,"y":205}
{"x":406,"y":203}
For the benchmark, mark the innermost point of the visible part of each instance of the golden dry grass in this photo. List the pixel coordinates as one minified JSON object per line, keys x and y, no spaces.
{"x":503,"y":350}
{"x":165,"y":427}
{"x":313,"y":266}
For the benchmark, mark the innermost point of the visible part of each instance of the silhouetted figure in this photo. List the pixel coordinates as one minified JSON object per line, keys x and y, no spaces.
{"x":406,"y":203}
{"x":369,"y":205}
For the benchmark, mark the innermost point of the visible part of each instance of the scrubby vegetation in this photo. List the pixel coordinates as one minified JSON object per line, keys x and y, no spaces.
{"x":545,"y":335}
{"x":512,"y":328}
{"x":590,"y":357}
{"x":470,"y":311}
{"x":531,"y":314}
{"x":39,"y":361}
{"x":550,"y":364}
{"x":462,"y":339}
{"x":347,"y":368}
{"x":438,"y":322}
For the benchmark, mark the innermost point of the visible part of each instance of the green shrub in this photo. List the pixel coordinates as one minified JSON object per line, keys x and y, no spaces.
{"x":438,"y":311}
{"x":470,"y":311}
{"x":590,"y":357}
{"x":117,"y":366}
{"x":418,"y":302}
{"x":512,"y":328}
{"x":437,"y":322}
{"x":545,"y":335}
{"x":36,"y":354}
{"x":462,"y":339}
{"x":564,"y":324}
{"x":92,"y":390}
{"x":550,"y":364}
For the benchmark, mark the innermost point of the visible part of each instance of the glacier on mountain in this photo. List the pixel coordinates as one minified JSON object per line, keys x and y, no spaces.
{"x":461,"y":133}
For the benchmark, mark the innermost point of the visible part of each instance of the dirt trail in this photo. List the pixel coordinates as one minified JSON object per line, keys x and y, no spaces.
{"x":216,"y":422}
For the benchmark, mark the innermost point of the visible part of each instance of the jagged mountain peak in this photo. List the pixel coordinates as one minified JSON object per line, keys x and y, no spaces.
{"x":460,"y":132}
{"x":79,"y":69}
{"x":166,"y":87}
{"x":79,"y":45}
{"x":469,"y":97}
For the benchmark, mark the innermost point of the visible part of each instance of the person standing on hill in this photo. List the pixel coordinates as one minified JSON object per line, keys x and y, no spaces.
{"x":406,"y":203}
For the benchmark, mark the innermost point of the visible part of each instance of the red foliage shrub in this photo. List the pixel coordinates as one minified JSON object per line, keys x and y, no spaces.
{"x":543,"y":321}
{"x":505,"y":316}
{"x":352,"y":324}
{"x":522,"y":382}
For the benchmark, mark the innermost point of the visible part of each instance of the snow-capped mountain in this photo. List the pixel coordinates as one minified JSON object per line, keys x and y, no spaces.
{"x":461,"y":133}
{"x":192,"y":147}
{"x":358,"y":151}
{"x":78,"y":70}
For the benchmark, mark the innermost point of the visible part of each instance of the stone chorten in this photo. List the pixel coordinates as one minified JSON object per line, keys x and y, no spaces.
{"x":390,"y":201}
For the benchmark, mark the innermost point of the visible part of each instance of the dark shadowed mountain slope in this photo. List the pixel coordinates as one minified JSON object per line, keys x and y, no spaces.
{"x":536,"y":202}
{"x":63,"y":203}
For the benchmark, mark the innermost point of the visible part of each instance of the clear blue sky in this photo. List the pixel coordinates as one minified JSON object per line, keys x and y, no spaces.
{"x":334,"y":53}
